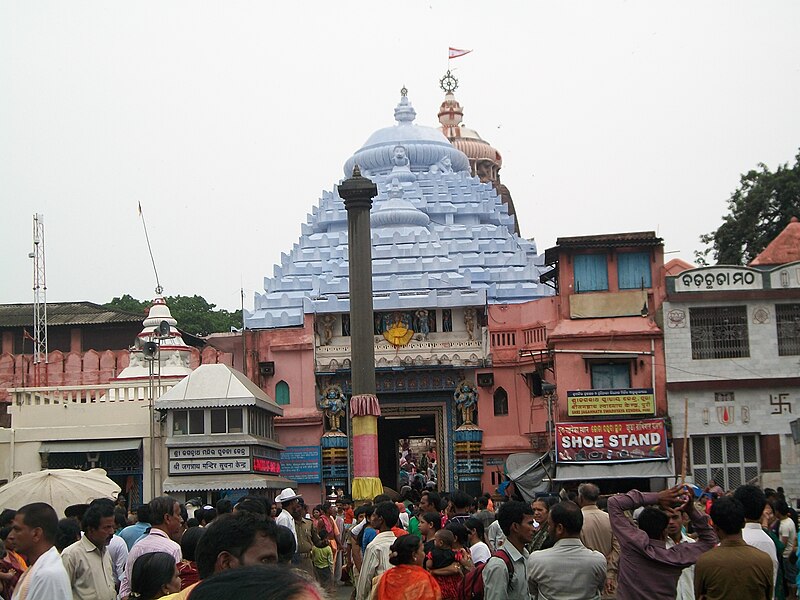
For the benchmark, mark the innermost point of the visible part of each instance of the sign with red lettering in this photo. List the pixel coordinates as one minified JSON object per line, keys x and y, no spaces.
{"x":611,"y":441}
{"x":266,"y":465}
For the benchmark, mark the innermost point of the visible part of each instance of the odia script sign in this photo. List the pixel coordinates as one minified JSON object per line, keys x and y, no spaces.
{"x":611,"y":441}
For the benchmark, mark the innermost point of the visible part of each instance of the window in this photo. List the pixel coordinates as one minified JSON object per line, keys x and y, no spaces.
{"x":719,"y":332}
{"x":787,"y":318}
{"x":730,"y":460}
{"x":260,"y":423}
{"x":235,"y":420}
{"x":188,"y":422}
{"x":226,"y":420}
{"x":591,"y":273}
{"x":282,"y":393}
{"x":633,"y":270}
{"x":610,"y":376}
{"x":500,"y":402}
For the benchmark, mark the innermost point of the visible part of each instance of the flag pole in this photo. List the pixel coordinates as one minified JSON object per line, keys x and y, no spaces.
{"x":159,"y":289}
{"x":685,"y":438}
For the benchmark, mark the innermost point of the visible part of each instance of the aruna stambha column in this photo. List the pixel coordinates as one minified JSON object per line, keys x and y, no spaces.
{"x":357,"y":193}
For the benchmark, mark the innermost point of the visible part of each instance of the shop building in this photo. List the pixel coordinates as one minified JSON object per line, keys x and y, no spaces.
{"x":586,"y":367}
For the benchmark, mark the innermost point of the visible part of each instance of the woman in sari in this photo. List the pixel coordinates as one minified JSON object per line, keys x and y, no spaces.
{"x":541,"y":510}
{"x":406,"y":580}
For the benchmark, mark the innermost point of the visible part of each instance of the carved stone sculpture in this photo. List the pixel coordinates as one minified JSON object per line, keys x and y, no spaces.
{"x":333,"y":403}
{"x":401,"y":169}
{"x":422,"y":323}
{"x":469,"y":323}
{"x":327,"y":322}
{"x":444,"y":165}
{"x":466,"y":399}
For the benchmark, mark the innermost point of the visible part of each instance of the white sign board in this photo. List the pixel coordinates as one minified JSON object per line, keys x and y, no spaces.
{"x":718,"y":278}
{"x":210,"y":452}
{"x":205,"y":466}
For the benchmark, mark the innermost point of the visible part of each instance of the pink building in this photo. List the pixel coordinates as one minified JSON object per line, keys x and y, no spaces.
{"x":583,"y":369}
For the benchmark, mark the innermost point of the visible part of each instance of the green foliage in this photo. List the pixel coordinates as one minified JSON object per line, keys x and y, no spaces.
{"x":757,"y":212}
{"x":128,"y":303}
{"x":194,"y":314}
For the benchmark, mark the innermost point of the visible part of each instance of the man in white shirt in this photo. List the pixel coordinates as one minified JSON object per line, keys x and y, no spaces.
{"x":289,"y":501}
{"x":376,"y":558}
{"x":754,"y":501}
{"x":675,"y":536}
{"x":34,"y":533}
{"x":499,"y":583}
{"x":88,"y":561}
{"x":549,"y":576}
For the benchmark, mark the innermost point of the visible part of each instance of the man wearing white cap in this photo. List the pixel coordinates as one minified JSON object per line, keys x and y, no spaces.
{"x":288,"y":499}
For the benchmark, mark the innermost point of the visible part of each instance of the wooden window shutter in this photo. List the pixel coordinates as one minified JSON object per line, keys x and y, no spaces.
{"x":770,"y":452}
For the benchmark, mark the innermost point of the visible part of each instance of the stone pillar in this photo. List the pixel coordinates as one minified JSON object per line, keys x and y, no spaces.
{"x":357,"y":193}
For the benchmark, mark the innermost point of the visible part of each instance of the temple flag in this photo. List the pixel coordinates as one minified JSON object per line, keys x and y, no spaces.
{"x":455,"y":53}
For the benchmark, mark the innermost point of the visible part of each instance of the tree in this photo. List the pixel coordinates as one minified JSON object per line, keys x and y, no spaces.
{"x":194,"y":314}
{"x":128,"y":303}
{"x":758,"y":211}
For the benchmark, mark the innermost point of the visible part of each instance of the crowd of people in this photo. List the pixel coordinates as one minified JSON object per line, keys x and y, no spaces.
{"x":421,"y":546}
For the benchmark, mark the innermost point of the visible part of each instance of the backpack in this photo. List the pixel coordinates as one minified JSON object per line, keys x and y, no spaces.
{"x":471,"y":587}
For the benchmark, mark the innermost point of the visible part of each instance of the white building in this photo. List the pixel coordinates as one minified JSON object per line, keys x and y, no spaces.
{"x":111,"y":425}
{"x":732,"y":341}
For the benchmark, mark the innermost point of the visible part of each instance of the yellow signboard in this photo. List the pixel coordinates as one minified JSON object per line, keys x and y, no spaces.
{"x":596,"y":403}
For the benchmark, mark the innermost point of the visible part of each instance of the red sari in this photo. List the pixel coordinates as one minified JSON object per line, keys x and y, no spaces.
{"x":407,"y":582}
{"x":8,"y":584}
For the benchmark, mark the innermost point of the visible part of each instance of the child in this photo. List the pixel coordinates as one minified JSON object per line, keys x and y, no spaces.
{"x":322,"y":557}
{"x":442,"y":555}
{"x":443,"y":564}
{"x":9,"y":575}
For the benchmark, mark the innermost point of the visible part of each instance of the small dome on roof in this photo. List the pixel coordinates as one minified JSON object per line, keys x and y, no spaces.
{"x":465,"y":139}
{"x":424,"y":146}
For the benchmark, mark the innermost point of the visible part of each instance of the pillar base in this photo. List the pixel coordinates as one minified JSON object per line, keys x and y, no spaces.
{"x":366,"y":488}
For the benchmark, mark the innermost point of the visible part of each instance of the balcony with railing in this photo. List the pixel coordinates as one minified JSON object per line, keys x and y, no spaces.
{"x":506,"y":344}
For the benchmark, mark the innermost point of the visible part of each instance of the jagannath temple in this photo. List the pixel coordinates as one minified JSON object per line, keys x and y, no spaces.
{"x":445,"y":246}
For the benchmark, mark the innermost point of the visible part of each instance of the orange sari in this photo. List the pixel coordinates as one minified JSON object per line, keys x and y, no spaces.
{"x":407,"y":582}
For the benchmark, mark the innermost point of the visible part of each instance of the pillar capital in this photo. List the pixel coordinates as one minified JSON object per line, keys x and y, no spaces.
{"x":357,"y":191}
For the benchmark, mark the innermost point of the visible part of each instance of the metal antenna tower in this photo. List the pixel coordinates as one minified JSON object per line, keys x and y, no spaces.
{"x":39,"y":298}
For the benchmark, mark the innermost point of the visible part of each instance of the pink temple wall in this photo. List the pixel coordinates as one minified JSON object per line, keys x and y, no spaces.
{"x":91,"y":367}
{"x":292,"y":351}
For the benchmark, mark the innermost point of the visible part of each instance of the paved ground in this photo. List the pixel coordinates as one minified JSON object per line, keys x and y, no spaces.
{"x":343,"y":592}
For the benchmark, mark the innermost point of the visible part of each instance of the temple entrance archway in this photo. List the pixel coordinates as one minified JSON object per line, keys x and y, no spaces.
{"x":413,"y":434}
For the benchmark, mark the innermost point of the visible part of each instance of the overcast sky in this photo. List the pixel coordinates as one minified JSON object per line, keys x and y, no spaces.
{"x":227,"y":120}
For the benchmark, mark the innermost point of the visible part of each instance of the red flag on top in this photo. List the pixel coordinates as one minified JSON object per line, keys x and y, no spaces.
{"x":455,"y":53}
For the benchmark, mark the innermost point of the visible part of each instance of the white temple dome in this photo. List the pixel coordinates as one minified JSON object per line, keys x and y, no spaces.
{"x":424,"y":146}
